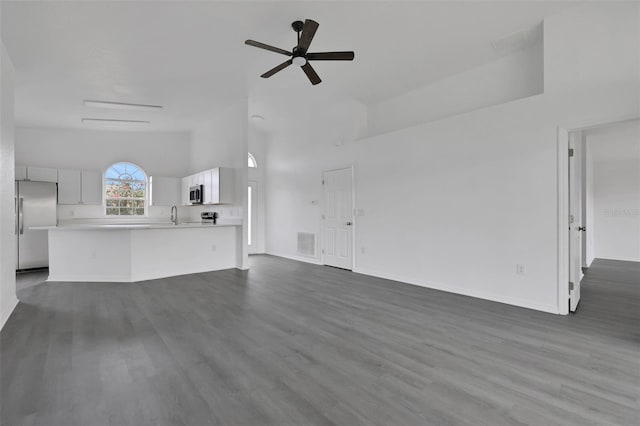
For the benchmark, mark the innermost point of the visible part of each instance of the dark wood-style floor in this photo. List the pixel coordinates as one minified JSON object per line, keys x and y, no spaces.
{"x":288,"y":343}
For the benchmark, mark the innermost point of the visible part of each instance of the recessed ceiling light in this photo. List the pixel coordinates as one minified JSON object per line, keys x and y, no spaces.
{"x":112,"y":121}
{"x":256,"y":117}
{"x":120,"y":105}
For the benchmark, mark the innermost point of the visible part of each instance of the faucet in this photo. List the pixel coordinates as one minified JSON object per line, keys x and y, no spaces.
{"x":174,"y":216}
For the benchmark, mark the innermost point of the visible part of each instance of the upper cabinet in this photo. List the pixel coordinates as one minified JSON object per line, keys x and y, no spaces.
{"x":39,"y":174}
{"x":21,"y":173}
{"x":165,"y":191}
{"x":218,"y":186}
{"x":42,"y":174}
{"x":185,"y":191}
{"x":79,"y":187}
{"x":222,"y":186}
{"x":69,"y":189}
{"x":91,"y":184}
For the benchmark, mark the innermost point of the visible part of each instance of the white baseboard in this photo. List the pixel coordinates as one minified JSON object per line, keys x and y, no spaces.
{"x":298,"y":258}
{"x":90,"y":278}
{"x":552,"y":309}
{"x":6,"y":313}
{"x":622,"y":259}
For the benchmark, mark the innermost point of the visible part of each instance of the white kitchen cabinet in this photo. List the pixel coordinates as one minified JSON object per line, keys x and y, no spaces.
{"x":42,"y":174}
{"x":91,"y":185}
{"x":200,"y":178}
{"x":165,"y":191}
{"x":79,"y":187}
{"x":208,"y":186}
{"x":219,"y":186}
{"x":69,"y":187}
{"x":21,"y":173}
{"x":222,"y":186}
{"x":185,"y":191}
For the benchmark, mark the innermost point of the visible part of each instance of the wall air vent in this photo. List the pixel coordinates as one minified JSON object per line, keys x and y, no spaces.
{"x":307,"y":244}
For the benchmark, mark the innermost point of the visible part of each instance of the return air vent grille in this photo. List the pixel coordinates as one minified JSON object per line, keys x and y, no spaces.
{"x":306,"y":244}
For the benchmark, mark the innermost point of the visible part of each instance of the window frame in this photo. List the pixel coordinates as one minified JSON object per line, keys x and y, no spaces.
{"x":146,"y":183}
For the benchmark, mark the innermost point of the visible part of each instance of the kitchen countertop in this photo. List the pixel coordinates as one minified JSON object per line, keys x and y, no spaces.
{"x":130,"y":226}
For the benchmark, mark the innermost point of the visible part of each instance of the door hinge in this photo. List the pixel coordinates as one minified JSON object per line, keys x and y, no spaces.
{"x":570,"y":152}
{"x":571,"y":286}
{"x":323,"y":181}
{"x":323,"y":217}
{"x":322,"y":251}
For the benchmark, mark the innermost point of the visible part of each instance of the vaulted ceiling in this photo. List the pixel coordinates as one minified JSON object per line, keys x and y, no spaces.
{"x":190,"y":58}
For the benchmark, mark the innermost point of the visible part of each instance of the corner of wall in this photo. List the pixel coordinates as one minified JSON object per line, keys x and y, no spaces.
{"x":8,"y":300}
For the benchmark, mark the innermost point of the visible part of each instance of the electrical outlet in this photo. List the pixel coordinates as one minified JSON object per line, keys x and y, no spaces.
{"x":213,"y":247}
{"x":94,"y":254}
{"x":362,"y":250}
{"x":520,"y":270}
{"x":71,"y":213}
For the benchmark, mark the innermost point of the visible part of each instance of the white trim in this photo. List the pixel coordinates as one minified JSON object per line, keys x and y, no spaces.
{"x":4,"y":316}
{"x":353,"y":216}
{"x":90,"y":278}
{"x":563,"y":220}
{"x":131,"y":279}
{"x":311,"y":260}
{"x":592,"y":124}
{"x":522,"y":303}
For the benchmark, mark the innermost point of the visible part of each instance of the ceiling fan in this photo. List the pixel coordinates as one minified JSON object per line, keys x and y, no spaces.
{"x":299,"y":55}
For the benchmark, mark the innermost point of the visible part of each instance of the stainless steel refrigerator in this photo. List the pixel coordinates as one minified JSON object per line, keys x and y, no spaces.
{"x":36,"y":205}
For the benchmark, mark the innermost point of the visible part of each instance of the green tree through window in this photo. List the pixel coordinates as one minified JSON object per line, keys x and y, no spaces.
{"x":125,"y":190}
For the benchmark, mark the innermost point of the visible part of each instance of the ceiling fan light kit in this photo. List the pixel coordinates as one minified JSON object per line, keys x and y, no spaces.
{"x":299,"y":55}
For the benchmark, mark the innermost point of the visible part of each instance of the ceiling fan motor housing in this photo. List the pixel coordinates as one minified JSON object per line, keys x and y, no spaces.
{"x":297,"y":26}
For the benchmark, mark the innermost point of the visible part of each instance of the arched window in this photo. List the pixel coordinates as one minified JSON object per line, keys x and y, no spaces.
{"x":125,"y":186}
{"x":252,"y":161}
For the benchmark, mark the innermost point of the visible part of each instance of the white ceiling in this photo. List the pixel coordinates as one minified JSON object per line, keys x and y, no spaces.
{"x":190,"y":57}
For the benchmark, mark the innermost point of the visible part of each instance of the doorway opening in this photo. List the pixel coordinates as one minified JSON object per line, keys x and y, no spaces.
{"x":599,"y":202}
{"x":337,"y":218}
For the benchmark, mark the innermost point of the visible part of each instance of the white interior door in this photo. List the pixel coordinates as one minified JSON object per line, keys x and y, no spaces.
{"x":575,"y":220}
{"x":338,"y":218}
{"x":252,"y":220}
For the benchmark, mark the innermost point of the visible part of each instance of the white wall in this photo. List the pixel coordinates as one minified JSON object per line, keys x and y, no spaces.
{"x":514,"y":76}
{"x":257,"y":148}
{"x":158,"y":153}
{"x":616,"y":191}
{"x":456,"y":203}
{"x":8,"y":298}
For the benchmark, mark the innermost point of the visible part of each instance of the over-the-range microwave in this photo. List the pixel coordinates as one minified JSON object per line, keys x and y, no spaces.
{"x":196,"y":194}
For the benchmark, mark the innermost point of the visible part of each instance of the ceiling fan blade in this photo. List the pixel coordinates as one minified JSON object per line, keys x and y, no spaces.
{"x":274,"y":70}
{"x":308,"y":31}
{"x":330,"y":56}
{"x":311,"y":73}
{"x":267,"y":47}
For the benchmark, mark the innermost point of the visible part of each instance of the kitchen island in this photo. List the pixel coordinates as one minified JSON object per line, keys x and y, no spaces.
{"x":138,"y":252}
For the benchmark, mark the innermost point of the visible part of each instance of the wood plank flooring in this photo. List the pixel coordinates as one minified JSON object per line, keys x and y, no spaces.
{"x":288,"y":343}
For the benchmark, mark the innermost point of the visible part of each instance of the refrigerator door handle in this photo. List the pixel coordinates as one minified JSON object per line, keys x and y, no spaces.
{"x":15,"y":210}
{"x":21,"y":214}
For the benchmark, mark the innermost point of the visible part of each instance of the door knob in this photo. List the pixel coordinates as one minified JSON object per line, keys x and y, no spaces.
{"x":582,"y":228}
{"x":348,"y":223}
